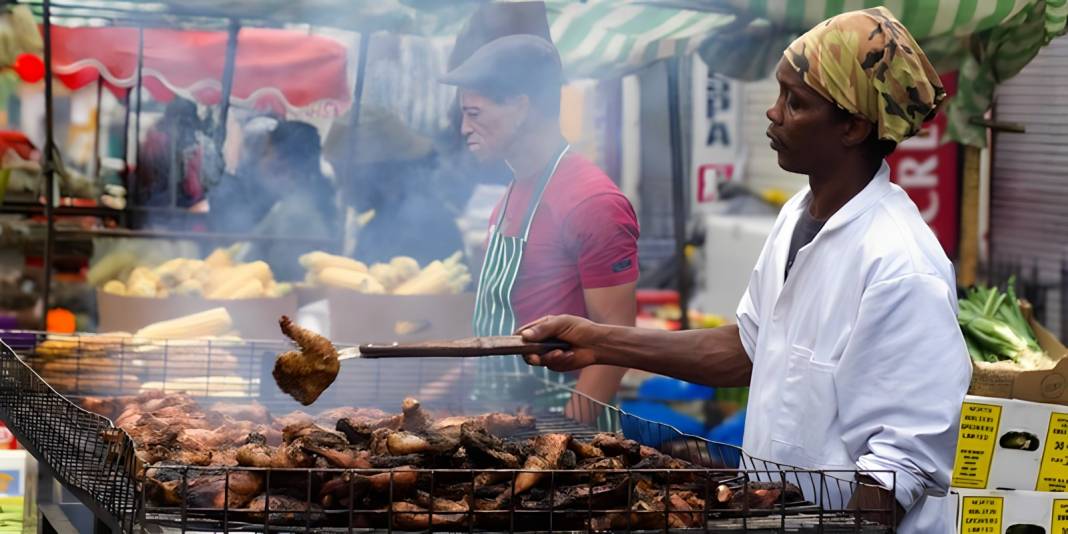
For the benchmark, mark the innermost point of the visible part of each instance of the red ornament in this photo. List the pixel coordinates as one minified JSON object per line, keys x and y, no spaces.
{"x":29,"y":67}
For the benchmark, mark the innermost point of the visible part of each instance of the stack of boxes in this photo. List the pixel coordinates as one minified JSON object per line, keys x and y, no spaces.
{"x":1011,"y":471}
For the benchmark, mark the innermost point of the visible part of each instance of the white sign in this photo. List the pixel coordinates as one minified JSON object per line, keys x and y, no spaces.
{"x":716,"y":135}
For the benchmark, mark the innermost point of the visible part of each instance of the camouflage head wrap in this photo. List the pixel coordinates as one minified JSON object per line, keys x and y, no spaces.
{"x":867,"y":63}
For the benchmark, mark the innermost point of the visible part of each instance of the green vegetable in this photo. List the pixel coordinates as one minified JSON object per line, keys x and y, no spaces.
{"x":995,"y":329}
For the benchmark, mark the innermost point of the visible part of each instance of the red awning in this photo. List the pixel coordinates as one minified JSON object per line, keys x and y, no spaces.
{"x":276,"y":69}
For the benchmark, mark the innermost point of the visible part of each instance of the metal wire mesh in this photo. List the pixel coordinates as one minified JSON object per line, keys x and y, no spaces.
{"x":97,"y":461}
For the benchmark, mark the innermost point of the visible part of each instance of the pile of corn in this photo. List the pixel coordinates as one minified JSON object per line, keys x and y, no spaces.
{"x":401,"y":276}
{"x":216,"y":277}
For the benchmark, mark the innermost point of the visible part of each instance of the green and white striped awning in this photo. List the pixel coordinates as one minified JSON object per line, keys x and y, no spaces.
{"x":986,"y":41}
{"x":610,"y":38}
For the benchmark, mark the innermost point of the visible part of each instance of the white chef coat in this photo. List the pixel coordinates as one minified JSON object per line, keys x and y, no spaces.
{"x":858,"y":362}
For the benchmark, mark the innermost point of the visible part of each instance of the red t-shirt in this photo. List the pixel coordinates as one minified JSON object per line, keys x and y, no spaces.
{"x":584,"y":236}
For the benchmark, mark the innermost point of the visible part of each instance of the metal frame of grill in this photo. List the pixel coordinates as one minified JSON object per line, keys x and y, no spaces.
{"x":96,"y":461}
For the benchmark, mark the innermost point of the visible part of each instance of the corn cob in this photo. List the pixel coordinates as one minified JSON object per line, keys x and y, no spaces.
{"x":318,"y":260}
{"x":362,"y":282}
{"x":213,"y":322}
{"x":115,"y":287}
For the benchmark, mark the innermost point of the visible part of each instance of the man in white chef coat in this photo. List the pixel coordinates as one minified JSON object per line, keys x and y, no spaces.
{"x":847,"y":333}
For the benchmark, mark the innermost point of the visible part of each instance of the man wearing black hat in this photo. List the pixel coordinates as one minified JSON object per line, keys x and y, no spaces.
{"x":564,"y":238}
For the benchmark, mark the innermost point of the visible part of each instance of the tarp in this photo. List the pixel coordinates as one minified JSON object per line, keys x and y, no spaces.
{"x":275,"y":69}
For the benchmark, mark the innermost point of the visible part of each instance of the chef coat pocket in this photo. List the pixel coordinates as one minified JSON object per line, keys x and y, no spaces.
{"x":812,"y":401}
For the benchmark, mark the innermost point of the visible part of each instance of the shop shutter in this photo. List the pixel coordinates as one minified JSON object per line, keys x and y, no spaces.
{"x":1029,"y":179}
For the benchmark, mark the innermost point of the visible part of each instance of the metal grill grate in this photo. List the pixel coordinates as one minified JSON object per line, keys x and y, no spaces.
{"x":97,"y":463}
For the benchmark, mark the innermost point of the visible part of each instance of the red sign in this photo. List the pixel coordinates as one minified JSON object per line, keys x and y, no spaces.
{"x":926,"y":168}
{"x":709,"y":176}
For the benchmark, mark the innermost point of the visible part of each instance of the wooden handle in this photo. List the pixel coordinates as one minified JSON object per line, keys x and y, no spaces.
{"x":462,"y":348}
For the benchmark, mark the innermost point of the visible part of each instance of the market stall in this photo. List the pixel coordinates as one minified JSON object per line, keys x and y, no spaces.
{"x":67,"y":397}
{"x":176,"y":423}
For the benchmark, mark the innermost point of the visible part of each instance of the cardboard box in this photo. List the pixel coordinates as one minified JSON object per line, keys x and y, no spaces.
{"x":1038,"y":386}
{"x":253,"y":318}
{"x":1012,"y":444}
{"x":360,"y":318}
{"x":1010,"y":512}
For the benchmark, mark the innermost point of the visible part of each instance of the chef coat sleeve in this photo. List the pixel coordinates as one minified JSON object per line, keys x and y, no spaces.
{"x":748,"y":316}
{"x":900,"y":384}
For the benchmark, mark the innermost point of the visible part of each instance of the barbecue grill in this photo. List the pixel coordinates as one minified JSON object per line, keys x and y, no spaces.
{"x":96,"y":461}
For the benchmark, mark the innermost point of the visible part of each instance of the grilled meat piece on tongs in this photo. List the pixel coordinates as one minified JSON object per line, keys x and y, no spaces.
{"x":305,"y":374}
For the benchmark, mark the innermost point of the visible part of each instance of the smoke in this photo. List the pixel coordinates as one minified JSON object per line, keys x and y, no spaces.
{"x":405,"y":161}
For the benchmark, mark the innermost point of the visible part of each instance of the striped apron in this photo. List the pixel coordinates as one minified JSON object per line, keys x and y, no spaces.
{"x":494,"y":314}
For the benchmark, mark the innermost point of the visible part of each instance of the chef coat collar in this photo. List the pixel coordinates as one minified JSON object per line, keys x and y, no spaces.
{"x":876,"y":189}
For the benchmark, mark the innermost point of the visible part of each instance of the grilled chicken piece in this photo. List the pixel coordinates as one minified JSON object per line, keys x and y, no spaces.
{"x":414,"y":418}
{"x":359,"y":431}
{"x":314,"y":433}
{"x":409,"y":516}
{"x":403,"y":443}
{"x":548,"y":448}
{"x":337,"y":490}
{"x":499,"y":424}
{"x":580,"y":496}
{"x":202,"y":489}
{"x":257,"y":453}
{"x":585,"y":451}
{"x":759,"y":496}
{"x":616,"y":445}
{"x":484,"y":448}
{"x":393,"y":462}
{"x":283,"y":511}
{"x":344,"y":458}
{"x":306,"y":374}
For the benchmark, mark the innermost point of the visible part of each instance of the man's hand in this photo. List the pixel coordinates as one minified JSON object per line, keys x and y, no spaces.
{"x":582,"y":334}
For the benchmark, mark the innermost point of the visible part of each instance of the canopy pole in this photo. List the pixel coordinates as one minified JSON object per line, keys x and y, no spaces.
{"x":49,"y":166}
{"x":361,"y":68}
{"x":96,"y":129}
{"x":357,"y":97}
{"x":678,"y":191}
{"x":131,"y":194}
{"x":227,"y":81}
{"x":127,"y":181}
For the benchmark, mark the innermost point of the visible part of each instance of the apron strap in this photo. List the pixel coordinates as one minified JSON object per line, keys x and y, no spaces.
{"x":532,"y":207}
{"x":542,"y":185}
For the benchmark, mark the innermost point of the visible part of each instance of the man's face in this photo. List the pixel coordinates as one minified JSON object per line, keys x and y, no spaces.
{"x":490,"y":127}
{"x":806,"y":129}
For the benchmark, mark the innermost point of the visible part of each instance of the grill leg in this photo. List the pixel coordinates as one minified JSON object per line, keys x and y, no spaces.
{"x":100,"y":528}
{"x":52,"y":520}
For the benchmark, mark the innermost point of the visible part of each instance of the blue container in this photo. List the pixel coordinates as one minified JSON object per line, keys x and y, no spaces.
{"x":664,"y":389}
{"x":730,"y":431}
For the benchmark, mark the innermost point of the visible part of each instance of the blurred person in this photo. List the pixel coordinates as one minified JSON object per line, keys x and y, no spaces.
{"x":305,"y":201}
{"x":564,"y":238}
{"x":240,"y":201}
{"x":384,"y":166}
{"x":178,"y":147}
{"x":847,"y":334}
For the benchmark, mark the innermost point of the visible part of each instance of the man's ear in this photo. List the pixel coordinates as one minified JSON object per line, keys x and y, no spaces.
{"x":522,"y":106}
{"x":857,"y":130}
